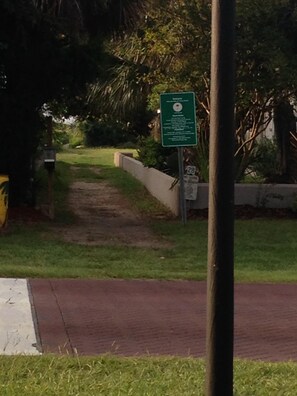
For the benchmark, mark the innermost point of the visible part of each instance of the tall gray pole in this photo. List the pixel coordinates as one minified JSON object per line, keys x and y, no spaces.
{"x":183,"y":208}
{"x":220,"y":281}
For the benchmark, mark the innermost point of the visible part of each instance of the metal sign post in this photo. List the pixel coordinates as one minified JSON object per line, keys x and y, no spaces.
{"x":178,"y":129}
{"x":182,"y":199}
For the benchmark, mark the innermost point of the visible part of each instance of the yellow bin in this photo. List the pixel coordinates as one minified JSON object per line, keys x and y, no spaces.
{"x":4,"y":184}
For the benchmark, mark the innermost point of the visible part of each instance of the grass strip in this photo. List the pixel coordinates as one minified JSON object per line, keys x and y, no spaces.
{"x":265,"y":249}
{"x":107,"y":375}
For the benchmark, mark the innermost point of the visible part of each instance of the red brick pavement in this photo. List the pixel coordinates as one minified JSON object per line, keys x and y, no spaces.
{"x":139,"y":317}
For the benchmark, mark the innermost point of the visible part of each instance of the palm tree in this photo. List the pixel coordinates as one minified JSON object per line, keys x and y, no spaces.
{"x":96,"y":16}
{"x":50,"y":50}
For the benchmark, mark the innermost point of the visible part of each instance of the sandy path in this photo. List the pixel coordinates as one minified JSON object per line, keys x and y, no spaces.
{"x":105,"y":217}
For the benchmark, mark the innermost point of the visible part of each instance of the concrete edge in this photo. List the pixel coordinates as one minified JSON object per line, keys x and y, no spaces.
{"x":160,"y":186}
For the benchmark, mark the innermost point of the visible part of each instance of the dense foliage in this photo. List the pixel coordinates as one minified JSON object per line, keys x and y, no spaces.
{"x":49,"y":51}
{"x":64,"y":55}
{"x":170,"y":51}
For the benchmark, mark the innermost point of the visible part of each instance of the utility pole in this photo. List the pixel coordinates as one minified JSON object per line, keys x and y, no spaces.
{"x":220,"y":279}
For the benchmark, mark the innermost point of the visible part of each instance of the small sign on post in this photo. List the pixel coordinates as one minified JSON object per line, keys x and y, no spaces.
{"x":191,"y":183}
{"x":191,"y":187}
{"x":178,"y":119}
{"x":178,"y":129}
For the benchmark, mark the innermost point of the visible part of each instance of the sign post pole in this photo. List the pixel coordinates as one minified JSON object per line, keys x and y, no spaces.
{"x":178,"y":129}
{"x":182,"y":199}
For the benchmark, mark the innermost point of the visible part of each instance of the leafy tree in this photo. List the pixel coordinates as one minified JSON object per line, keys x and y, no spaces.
{"x":49,"y":51}
{"x":285,"y":132}
{"x":170,"y":51}
{"x":266,"y":61}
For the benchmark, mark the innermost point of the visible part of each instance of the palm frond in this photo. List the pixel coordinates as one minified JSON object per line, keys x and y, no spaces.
{"x":95,"y":15}
{"x":120,"y":95}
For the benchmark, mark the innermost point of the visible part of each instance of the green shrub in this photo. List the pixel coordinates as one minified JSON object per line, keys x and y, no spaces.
{"x":265,"y":163}
{"x":67,"y":133}
{"x":106,"y":132}
{"x":153,"y":155}
{"x":77,"y":138}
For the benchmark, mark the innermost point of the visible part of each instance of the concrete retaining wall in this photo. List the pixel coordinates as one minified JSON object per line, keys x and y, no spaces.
{"x":257,"y":195}
{"x":159,"y":184}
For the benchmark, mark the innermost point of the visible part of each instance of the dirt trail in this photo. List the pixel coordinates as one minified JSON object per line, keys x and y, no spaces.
{"x":105,"y":217}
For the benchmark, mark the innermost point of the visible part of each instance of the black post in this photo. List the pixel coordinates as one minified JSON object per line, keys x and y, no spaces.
{"x":220,"y":282}
{"x":183,"y":208}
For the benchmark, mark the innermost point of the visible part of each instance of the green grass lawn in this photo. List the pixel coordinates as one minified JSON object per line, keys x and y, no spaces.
{"x":111,"y":376}
{"x":265,"y":249}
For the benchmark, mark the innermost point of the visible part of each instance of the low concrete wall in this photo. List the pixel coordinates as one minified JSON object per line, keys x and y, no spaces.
{"x":159,"y":184}
{"x":257,"y":195}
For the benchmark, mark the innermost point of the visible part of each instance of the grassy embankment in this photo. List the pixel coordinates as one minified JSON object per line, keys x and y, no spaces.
{"x":265,"y":249}
{"x":110,"y":376}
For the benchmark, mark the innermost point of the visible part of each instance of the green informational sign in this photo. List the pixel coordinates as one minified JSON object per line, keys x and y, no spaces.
{"x":178,"y":119}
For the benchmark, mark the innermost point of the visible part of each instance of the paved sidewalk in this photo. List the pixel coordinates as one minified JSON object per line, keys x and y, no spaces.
{"x":17,"y":332}
{"x":139,"y":317}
